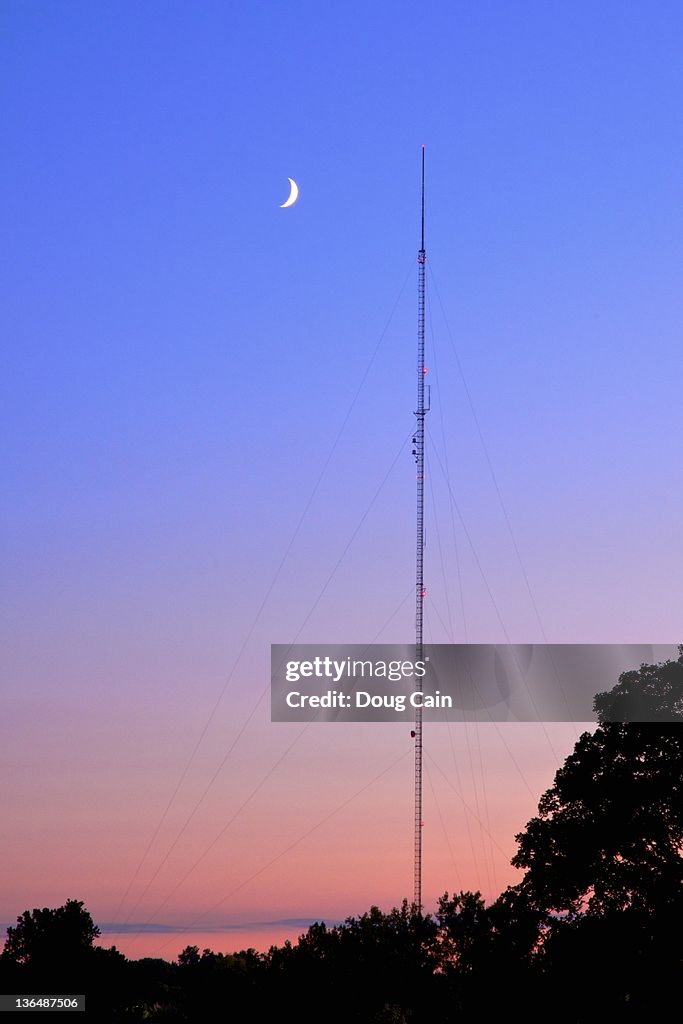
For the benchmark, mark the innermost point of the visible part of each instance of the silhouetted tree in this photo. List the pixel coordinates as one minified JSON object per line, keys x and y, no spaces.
{"x":51,"y":950}
{"x":378,"y":966}
{"x":189,"y":956}
{"x":603,"y":859}
{"x":219,"y":985}
{"x":652,"y":693}
{"x":42,"y":935}
{"x":608,"y":833}
{"x":486,"y":952}
{"x":464,"y":930}
{"x":500,"y":937}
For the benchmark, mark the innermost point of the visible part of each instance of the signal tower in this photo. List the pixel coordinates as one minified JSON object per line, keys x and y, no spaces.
{"x":420,"y":592}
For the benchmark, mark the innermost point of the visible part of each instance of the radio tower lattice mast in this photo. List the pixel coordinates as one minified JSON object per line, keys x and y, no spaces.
{"x":419,"y":448}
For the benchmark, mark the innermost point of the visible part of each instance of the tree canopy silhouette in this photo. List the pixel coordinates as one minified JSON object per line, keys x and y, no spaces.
{"x":41,"y":935}
{"x":608,"y":833}
{"x":603,"y":858}
{"x":652,"y":693}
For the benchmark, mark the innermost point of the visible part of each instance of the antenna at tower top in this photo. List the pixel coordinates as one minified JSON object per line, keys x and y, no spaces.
{"x":422,"y":243}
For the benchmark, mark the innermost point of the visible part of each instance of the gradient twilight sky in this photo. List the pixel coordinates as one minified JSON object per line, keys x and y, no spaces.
{"x":180,"y":355}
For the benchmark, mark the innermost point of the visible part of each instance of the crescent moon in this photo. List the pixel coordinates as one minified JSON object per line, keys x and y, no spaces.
{"x":293,"y":194}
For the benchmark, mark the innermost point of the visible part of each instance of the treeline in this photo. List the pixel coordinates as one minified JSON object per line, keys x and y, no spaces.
{"x":465,"y":962}
{"x":591,"y":932}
